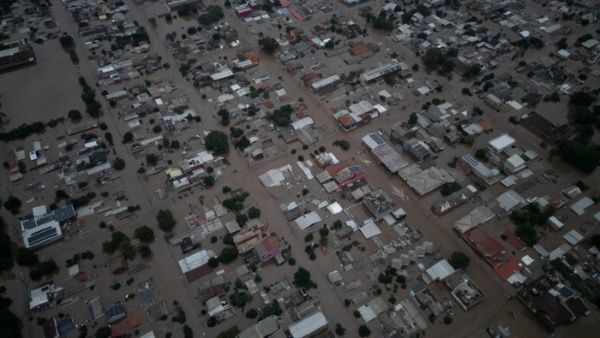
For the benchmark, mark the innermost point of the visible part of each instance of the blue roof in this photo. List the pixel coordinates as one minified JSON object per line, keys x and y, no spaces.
{"x":565,"y":292}
{"x":116,"y":313}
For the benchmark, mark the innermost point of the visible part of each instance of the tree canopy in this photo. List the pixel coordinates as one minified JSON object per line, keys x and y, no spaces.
{"x":459,"y":260}
{"x":217,"y":142}
{"x":165,"y":219}
{"x":268,"y":44}
{"x":302,"y":279}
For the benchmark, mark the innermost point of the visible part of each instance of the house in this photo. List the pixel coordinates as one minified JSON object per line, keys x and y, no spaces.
{"x":264,"y":328}
{"x":116,"y":313}
{"x":42,"y":297}
{"x":485,"y":245}
{"x":45,"y":226}
{"x":15,"y":53}
{"x":379,"y":203}
{"x":500,"y":143}
{"x":424,"y":181}
{"x":196,"y":266}
{"x":309,"y":326}
{"x":325,"y":85}
{"x":514,"y":164}
{"x":379,"y":72}
{"x":346,"y":175}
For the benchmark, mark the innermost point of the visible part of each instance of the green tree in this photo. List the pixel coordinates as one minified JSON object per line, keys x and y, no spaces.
{"x":217,"y":142}
{"x":268,"y":44}
{"x":302,"y":279}
{"x":119,"y":164}
{"x":66,"y":41}
{"x":459,"y":260}
{"x":253,"y":213}
{"x":252,"y":313}
{"x":187,"y":331}
{"x":364,"y":331}
{"x":103,"y":332}
{"x":165,"y":220}
{"x":74,"y":115}
{"x":228,"y":255}
{"x":12,"y":204}
{"x":144,"y":234}
{"x":339,"y":329}
{"x":127,"y":137}
{"x":26,"y":257}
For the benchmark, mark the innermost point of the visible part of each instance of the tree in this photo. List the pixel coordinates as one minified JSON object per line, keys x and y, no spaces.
{"x":211,"y":321}
{"x":151,"y":159}
{"x":10,"y":324}
{"x":127,"y":250}
{"x":268,"y":44}
{"x":213,"y":262}
{"x":459,"y":260}
{"x":26,"y":257}
{"x":253,"y":213}
{"x":364,"y":331}
{"x":228,"y":255}
{"x":217,"y":142}
{"x":103,"y":332}
{"x":252,"y":313}
{"x":302,"y":279}
{"x":240,"y":299}
{"x":339,"y":329}
{"x":12,"y":204}
{"x":345,"y":145}
{"x":481,"y":155}
{"x":6,"y":246}
{"x":165,"y":220}
{"x":412,"y":119}
{"x":449,"y":187}
{"x":144,"y":234}
{"x":66,"y":41}
{"x":74,"y":115}
{"x":119,"y":164}
{"x":127,"y":137}
{"x":582,"y":156}
{"x":187,"y":331}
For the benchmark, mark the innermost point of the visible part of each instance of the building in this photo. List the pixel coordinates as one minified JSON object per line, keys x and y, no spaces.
{"x":196,"y":266}
{"x":346,"y":175}
{"x":384,"y":153}
{"x":379,"y":72}
{"x":325,"y":85}
{"x":485,"y":245}
{"x":257,"y":244}
{"x":545,"y":128}
{"x":42,"y":297}
{"x":500,"y":143}
{"x":379,"y":203}
{"x":175,"y":4}
{"x":424,"y":181}
{"x":262,"y":329}
{"x":15,"y":53}
{"x":514,"y":164}
{"x":309,"y":326}
{"x":45,"y":227}
{"x":417,"y":148}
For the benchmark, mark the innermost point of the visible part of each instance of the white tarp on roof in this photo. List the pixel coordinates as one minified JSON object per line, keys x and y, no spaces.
{"x":334,"y":208}
{"x":305,"y":221}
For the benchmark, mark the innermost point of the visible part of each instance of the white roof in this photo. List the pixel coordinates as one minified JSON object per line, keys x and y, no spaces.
{"x":195,"y":260}
{"x":274,"y":177}
{"x":440,"y":270}
{"x":221,"y":75}
{"x":597,"y":216}
{"x":308,"y":325}
{"x":501,"y":142}
{"x":573,"y":237}
{"x":39,"y":210}
{"x":303,"y":122}
{"x":556,"y":222}
{"x":509,"y":200}
{"x":370,"y":230}
{"x":366,"y":313}
{"x":148,"y":335}
{"x":580,"y":206}
{"x":305,"y":221}
{"x":527,"y":260}
{"x":334,"y":208}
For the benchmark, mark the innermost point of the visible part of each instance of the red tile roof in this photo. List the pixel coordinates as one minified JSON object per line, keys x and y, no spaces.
{"x":508,"y":268}
{"x":487,"y":246}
